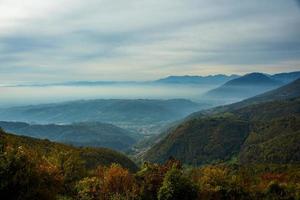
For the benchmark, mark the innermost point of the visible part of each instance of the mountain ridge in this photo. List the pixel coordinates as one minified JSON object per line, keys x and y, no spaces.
{"x":220,"y":134}
{"x":243,"y":87}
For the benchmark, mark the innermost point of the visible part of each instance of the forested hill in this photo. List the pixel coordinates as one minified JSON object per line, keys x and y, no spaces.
{"x":93,"y":134}
{"x":266,"y":132}
{"x":252,"y":134}
{"x":56,"y":153}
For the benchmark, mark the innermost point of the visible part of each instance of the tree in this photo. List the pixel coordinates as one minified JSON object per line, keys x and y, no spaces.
{"x":71,"y":168}
{"x":151,"y":177}
{"x":88,"y":188}
{"x":276,"y":191}
{"x":24,"y":177}
{"x":1,"y":141}
{"x":118,"y":183}
{"x":176,"y":186}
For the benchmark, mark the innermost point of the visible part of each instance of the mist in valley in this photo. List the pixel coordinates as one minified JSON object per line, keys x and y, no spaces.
{"x":30,"y":95}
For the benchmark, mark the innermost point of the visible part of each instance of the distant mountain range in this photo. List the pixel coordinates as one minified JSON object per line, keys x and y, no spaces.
{"x":263,"y":129}
{"x":129,"y":114}
{"x":286,"y":77}
{"x":250,"y":85}
{"x":212,"y":79}
{"x":218,"y":79}
{"x":93,"y":134}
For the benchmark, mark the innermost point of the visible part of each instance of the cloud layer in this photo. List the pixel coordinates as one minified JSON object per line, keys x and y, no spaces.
{"x":145,"y":39}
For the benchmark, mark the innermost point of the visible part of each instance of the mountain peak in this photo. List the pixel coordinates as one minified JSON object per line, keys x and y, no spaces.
{"x":253,"y":79}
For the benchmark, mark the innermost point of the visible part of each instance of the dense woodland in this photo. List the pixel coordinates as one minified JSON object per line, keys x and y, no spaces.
{"x":39,"y":169}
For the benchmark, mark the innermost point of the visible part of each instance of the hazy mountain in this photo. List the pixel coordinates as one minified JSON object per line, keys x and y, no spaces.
{"x":243,"y":87}
{"x":91,"y":157}
{"x":288,"y":91}
{"x":250,"y":132}
{"x":93,"y":134}
{"x":186,"y":79}
{"x":286,"y":77}
{"x":209,"y":80}
{"x":136,"y":115}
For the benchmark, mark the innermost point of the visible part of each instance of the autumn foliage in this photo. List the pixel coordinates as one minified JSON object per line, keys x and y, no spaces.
{"x":27,"y":175}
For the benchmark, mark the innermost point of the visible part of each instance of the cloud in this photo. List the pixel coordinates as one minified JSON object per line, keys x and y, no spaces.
{"x":143,"y":39}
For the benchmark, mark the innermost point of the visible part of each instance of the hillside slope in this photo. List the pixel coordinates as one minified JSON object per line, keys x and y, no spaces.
{"x":94,"y":134}
{"x":221,"y":136}
{"x":250,"y":132}
{"x":92,"y":157}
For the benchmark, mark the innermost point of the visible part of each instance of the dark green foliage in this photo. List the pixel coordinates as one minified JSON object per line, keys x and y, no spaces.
{"x":151,"y":177}
{"x":276,"y":191}
{"x":1,"y":141}
{"x":177,"y":186}
{"x":202,"y":141}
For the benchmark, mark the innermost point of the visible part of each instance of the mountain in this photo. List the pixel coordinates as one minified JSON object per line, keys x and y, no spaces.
{"x":264,"y":131}
{"x":93,"y":134}
{"x":212,"y":79}
{"x":135,"y":115}
{"x":288,"y":91}
{"x":285,"y":92}
{"x":91,"y":157}
{"x":243,"y":87}
{"x":286,"y":77}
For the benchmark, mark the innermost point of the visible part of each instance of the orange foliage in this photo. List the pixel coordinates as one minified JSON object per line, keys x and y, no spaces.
{"x":117,"y":181}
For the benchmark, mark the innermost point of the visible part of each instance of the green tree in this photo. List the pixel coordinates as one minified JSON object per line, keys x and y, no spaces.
{"x":72,"y":168}
{"x":176,"y":186}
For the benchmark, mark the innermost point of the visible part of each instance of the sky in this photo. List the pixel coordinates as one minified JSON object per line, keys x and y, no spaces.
{"x":69,"y":40}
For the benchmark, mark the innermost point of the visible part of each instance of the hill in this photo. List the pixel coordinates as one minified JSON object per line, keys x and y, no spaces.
{"x":251,"y":132}
{"x":244,"y":87}
{"x":94,"y":134}
{"x":91,"y":157}
{"x":135,"y":115}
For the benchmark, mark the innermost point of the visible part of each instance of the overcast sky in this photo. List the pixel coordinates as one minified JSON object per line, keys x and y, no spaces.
{"x":63,"y":40}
